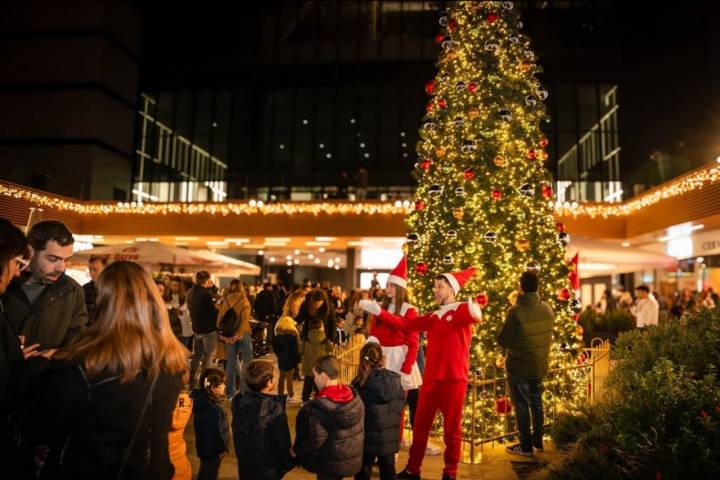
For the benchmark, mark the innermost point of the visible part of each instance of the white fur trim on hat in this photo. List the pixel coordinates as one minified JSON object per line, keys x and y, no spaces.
{"x":452,"y":281}
{"x":397,"y":281}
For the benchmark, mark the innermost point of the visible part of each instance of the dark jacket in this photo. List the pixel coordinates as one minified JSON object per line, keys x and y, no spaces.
{"x":211,"y":426}
{"x":326,"y":313}
{"x":90,"y":291}
{"x":527,"y":334}
{"x":285,"y":346}
{"x":261,"y":435}
{"x":58,"y":313}
{"x":384,"y":399}
{"x":265,"y":306}
{"x":330,"y":434}
{"x":201,"y":306}
{"x":94,"y":420}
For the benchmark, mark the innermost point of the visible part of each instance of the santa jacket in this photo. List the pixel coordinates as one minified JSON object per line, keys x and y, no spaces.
{"x":447,"y":356}
{"x":391,"y":336}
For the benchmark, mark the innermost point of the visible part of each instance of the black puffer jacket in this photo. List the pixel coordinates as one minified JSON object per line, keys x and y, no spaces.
{"x":384,"y":399}
{"x":330,"y":433}
{"x":261,"y":434}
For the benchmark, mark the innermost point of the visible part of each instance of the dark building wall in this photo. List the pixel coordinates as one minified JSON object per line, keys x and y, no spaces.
{"x":68,"y":90}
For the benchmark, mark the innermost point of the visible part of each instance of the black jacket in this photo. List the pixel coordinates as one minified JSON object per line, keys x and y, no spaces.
{"x":261,"y":435}
{"x":90,"y":291}
{"x":330,"y":435}
{"x":265,"y":306}
{"x":326,"y":313}
{"x":211,"y":426}
{"x":285,"y":346}
{"x":94,"y":420}
{"x":384,"y":398}
{"x":57,"y":314}
{"x":201,"y":306}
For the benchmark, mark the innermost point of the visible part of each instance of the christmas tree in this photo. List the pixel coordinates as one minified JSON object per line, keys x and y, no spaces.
{"x":484,"y":197}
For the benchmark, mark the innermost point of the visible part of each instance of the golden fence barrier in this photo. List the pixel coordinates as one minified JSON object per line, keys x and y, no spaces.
{"x":483,"y":422}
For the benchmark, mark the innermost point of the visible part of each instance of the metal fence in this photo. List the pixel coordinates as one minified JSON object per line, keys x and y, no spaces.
{"x":488,"y":415}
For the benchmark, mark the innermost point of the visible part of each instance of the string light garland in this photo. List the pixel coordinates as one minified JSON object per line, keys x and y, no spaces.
{"x":696,"y":180}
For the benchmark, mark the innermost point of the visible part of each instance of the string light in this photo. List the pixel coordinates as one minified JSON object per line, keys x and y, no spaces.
{"x":693,"y":181}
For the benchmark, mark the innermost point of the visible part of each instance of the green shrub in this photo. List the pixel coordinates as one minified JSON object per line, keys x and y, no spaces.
{"x":567,"y":427}
{"x":661,"y":414}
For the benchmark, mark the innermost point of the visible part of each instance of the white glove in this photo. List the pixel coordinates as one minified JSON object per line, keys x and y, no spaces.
{"x":475,"y":310}
{"x":370,"y":306}
{"x":406,"y":381}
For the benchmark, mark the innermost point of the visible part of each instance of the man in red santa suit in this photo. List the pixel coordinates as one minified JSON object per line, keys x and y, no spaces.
{"x":449,"y":331}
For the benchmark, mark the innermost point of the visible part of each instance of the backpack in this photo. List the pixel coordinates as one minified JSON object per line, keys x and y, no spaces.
{"x":175,"y":322}
{"x":230,"y":322}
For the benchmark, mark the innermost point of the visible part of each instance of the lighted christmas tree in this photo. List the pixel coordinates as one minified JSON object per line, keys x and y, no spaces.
{"x":485,"y":197}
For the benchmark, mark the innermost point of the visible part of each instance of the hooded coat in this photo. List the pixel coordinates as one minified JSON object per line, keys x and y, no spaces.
{"x":330,"y":432}
{"x":261,"y":435}
{"x":384,"y":399}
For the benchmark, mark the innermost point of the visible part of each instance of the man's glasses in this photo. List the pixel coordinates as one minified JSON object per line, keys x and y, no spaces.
{"x":22,"y":263}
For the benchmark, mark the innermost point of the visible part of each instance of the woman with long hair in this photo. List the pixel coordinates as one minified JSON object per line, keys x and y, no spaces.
{"x":384,"y":398}
{"x":400,"y":348}
{"x":107,"y":401}
{"x":237,"y":344}
{"x":317,"y":306}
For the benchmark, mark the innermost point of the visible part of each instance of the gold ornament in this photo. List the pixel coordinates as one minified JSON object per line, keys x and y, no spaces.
{"x":525,"y":66}
{"x":458,"y":213}
{"x":522,"y":245}
{"x":473,"y":112}
{"x":470,"y":248}
{"x":440,"y":152}
{"x":499,"y":161}
{"x":500,"y":362}
{"x":512,"y":298}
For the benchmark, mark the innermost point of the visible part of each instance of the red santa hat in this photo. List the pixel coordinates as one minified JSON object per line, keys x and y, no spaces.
{"x":458,"y":279}
{"x":399,"y":274}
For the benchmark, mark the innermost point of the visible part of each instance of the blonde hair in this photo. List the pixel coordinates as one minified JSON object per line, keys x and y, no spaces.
{"x":286,"y":324}
{"x":293,"y":303}
{"x":131,"y":332}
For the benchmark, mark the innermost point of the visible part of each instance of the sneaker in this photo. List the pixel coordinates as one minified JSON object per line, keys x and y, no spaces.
{"x":517,"y":450}
{"x":405,"y":475}
{"x":432,"y":450}
{"x":405,"y":443}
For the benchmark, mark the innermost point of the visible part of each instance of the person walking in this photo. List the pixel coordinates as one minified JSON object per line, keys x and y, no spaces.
{"x":235,"y":334}
{"x":203,"y":316}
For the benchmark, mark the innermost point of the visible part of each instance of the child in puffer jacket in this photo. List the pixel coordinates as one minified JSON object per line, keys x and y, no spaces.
{"x":384,"y":398}
{"x":211,"y":425}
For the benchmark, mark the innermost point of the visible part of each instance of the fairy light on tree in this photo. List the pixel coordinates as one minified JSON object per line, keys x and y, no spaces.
{"x":484,"y":196}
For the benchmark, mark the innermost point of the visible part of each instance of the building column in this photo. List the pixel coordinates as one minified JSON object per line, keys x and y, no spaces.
{"x":350,"y":270}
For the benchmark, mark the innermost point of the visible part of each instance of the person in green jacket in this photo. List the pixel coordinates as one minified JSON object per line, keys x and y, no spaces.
{"x":45,"y":305}
{"x":527,"y":334}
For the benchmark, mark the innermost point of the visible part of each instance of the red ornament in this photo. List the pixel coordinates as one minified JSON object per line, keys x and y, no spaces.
{"x":560,"y":226}
{"x":531,"y":154}
{"x":439,"y":38}
{"x":469,"y":174}
{"x":472,"y":87}
{"x":704,"y":414}
{"x":564,"y":294}
{"x":425,"y":164}
{"x":503,"y":405}
{"x":452,"y":24}
{"x":576,"y":317}
{"x":544,"y":142}
{"x":717,"y":410}
{"x":482,"y":300}
{"x":421,"y":268}
{"x":419,"y":205}
{"x":429,"y":107}
{"x":429,"y":86}
{"x":547,"y":191}
{"x":496,"y":194}
{"x":492,"y":17}
{"x":442,"y":103}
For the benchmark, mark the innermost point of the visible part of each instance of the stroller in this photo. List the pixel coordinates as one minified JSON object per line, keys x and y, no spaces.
{"x":259,"y":338}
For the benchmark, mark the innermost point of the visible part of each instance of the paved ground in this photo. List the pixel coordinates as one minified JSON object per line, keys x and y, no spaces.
{"x":496,"y":464}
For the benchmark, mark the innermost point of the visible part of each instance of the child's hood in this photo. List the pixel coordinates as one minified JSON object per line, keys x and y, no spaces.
{"x":343,"y":403}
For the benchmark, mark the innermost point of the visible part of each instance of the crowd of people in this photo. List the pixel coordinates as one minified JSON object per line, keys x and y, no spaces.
{"x":101,"y":380}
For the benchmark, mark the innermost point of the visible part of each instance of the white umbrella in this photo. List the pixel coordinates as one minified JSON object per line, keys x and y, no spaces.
{"x":156,"y":255}
{"x":607,"y":258}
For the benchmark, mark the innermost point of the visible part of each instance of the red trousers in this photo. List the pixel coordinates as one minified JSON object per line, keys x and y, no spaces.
{"x":448,"y":397}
